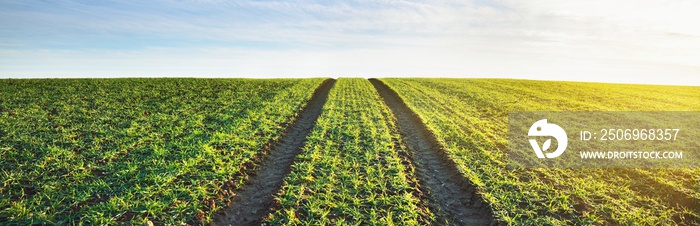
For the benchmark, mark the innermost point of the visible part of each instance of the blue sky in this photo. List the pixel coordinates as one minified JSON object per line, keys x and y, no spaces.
{"x":645,"y":41}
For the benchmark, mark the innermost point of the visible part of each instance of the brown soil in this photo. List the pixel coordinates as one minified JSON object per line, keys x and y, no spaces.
{"x":253,"y":201}
{"x":450,"y":195}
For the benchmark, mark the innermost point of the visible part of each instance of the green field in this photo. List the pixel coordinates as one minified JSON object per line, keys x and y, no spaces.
{"x":173,"y":151}
{"x":102,"y":151}
{"x":351,"y":170}
{"x":469,"y":116}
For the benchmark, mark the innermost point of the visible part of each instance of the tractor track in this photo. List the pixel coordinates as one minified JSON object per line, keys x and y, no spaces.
{"x":254,"y":200}
{"x":450,"y":195}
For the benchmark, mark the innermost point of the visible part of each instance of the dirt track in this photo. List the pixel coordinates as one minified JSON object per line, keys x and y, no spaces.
{"x":254,"y":200}
{"x":451,"y":196}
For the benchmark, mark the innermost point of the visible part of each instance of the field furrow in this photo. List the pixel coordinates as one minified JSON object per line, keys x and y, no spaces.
{"x":254,"y":199}
{"x":449,"y":194}
{"x":351,"y":170}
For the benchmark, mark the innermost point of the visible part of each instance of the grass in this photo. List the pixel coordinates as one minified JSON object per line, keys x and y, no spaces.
{"x":351,"y":170}
{"x":172,"y":151}
{"x":469,"y":117}
{"x":108,"y":151}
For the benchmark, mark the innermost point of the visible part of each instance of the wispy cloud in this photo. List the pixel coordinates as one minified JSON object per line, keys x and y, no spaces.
{"x":595,"y":40}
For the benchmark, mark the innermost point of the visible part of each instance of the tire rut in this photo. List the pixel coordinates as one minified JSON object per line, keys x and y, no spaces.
{"x":450,"y":195}
{"x":254,"y":200}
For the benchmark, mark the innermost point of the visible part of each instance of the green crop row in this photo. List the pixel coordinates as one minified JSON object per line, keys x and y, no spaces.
{"x":351,"y":169}
{"x":469,"y":117}
{"x":108,"y":151}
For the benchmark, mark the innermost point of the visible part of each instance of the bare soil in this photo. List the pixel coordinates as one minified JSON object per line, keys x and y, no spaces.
{"x":450,"y":195}
{"x":254,"y":200}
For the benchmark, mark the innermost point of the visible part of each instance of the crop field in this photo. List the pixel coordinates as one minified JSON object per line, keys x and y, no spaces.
{"x":469,"y":117}
{"x":351,"y":170}
{"x":103,"y":151}
{"x":393,"y":151}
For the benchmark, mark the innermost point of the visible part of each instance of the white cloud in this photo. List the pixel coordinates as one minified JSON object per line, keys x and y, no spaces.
{"x":645,"y":41}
